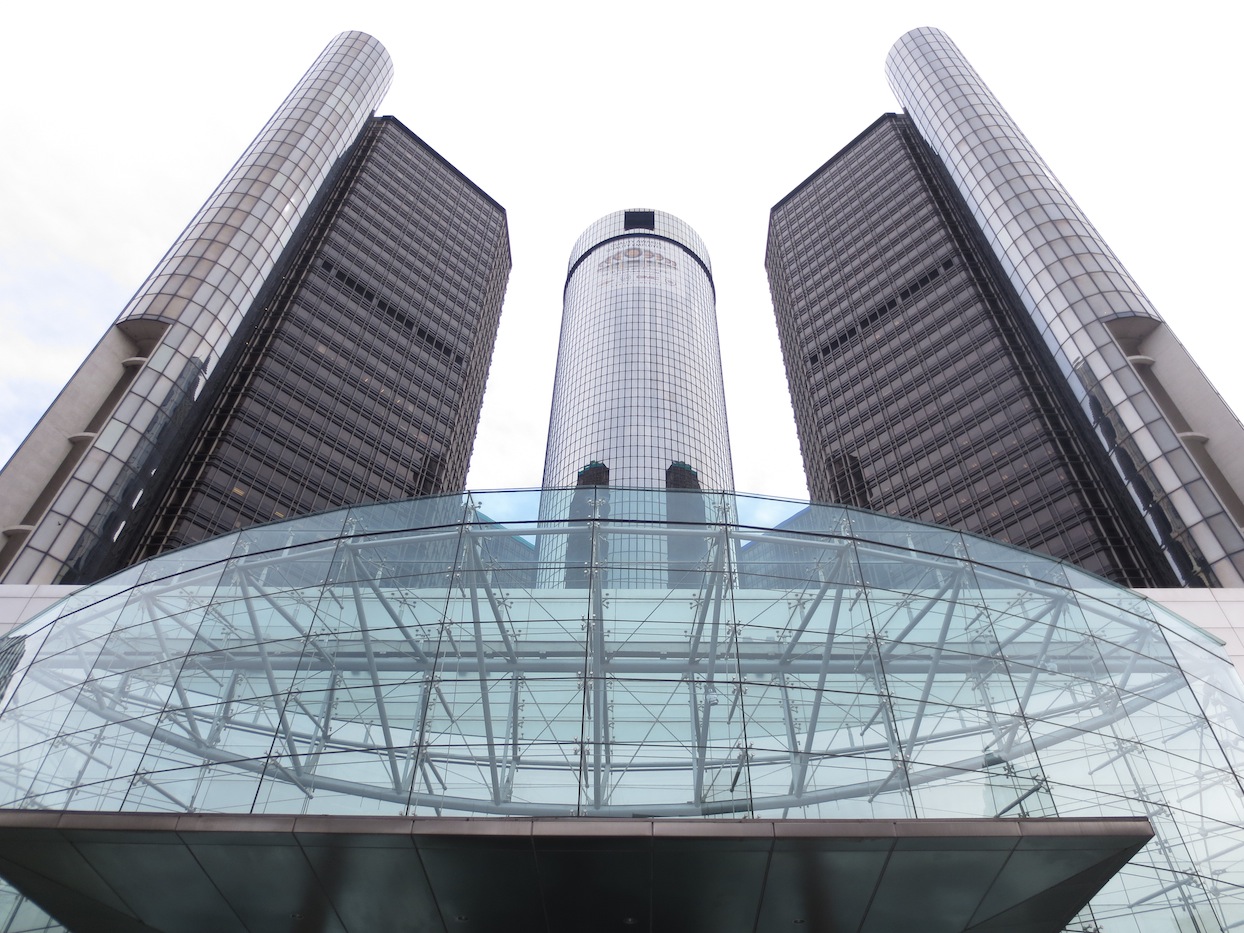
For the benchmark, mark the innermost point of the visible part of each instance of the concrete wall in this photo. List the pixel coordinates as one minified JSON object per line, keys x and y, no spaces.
{"x":1219,"y":612}
{"x":19,"y":602}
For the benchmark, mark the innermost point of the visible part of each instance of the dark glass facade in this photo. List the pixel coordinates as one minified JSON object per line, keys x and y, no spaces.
{"x":361,"y":374}
{"x":917,"y":386}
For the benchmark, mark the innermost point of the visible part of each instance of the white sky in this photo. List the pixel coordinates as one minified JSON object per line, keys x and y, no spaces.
{"x":122,"y":117}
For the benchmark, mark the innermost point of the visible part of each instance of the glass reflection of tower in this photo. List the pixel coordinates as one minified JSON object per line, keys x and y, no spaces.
{"x":638,"y":400}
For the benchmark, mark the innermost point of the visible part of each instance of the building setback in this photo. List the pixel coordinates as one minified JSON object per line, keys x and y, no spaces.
{"x":274,"y":367}
{"x":918,"y":385}
{"x":1044,"y":403}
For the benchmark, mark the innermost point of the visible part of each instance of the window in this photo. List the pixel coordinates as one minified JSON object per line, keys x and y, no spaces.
{"x":640,"y":220}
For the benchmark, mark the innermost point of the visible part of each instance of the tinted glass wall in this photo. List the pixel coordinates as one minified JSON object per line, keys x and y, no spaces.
{"x":917,"y":387}
{"x":363,"y":376}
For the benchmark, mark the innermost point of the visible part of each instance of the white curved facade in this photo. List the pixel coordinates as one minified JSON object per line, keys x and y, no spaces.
{"x":102,"y":432}
{"x":638,"y":385}
{"x":1173,"y":440}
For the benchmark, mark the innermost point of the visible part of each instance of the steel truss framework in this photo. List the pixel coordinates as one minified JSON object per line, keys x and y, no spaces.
{"x":402,"y":659}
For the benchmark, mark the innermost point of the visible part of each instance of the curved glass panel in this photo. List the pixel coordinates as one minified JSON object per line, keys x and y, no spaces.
{"x":418,"y":658}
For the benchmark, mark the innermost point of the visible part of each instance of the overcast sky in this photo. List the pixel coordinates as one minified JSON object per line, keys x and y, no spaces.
{"x":121,"y":118}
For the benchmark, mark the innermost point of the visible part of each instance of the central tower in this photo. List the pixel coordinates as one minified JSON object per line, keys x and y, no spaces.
{"x":638,"y":398}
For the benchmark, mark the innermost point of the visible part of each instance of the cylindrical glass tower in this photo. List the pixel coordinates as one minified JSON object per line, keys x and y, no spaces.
{"x":1174,"y":442}
{"x":638,"y":401}
{"x":96,"y":449}
{"x":638,"y":387}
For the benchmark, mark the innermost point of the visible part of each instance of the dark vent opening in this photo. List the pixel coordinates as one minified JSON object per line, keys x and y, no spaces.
{"x":640,"y":220}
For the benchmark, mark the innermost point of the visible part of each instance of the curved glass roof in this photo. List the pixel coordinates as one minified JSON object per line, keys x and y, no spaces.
{"x":732,"y":656}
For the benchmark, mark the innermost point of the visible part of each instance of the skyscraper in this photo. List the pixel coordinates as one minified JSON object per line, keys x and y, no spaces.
{"x":963,"y":348}
{"x":638,"y":388}
{"x":320,"y":335}
{"x":638,"y":399}
{"x":845,"y":721}
{"x":917,"y":386}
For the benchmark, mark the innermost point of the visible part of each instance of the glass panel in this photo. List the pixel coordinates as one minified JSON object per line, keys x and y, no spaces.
{"x":400,"y":661}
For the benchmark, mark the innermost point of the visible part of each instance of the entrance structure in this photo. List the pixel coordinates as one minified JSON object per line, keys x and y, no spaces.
{"x":410,"y":660}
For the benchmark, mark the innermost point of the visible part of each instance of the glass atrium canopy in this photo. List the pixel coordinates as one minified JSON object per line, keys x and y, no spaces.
{"x":794,"y":661}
